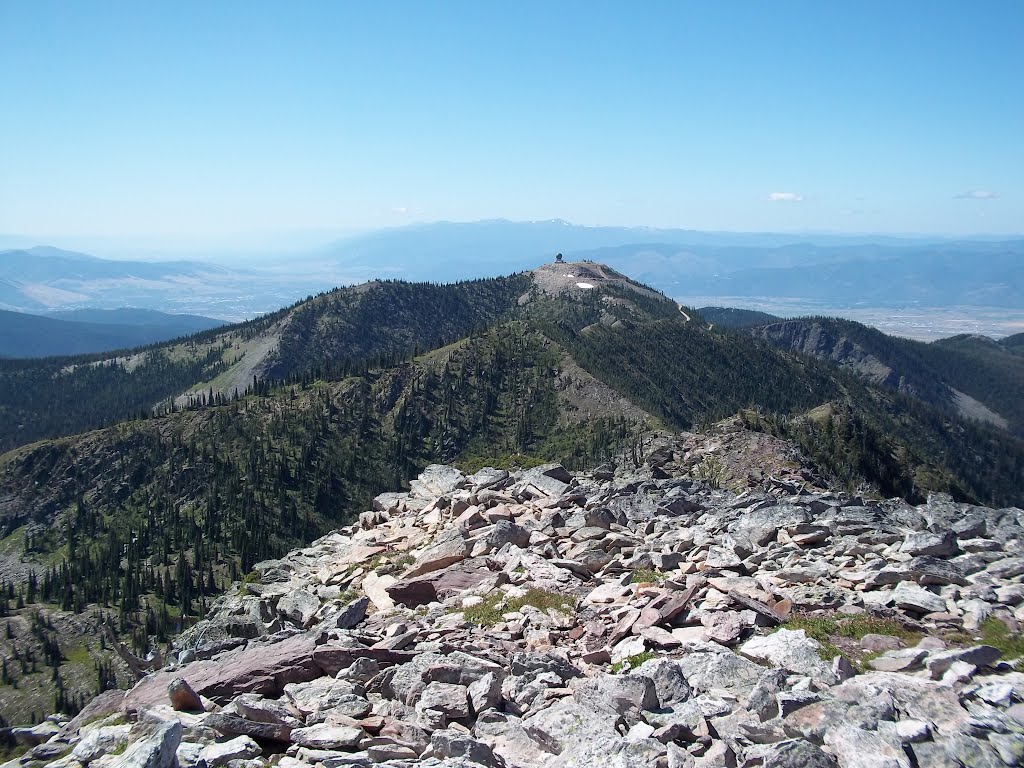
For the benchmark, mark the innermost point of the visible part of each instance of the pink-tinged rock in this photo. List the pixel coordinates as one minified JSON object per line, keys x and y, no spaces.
{"x":623,"y":625}
{"x":598,"y":656}
{"x":432,"y":587}
{"x":724,"y":627}
{"x":664,"y":609}
{"x":439,"y":555}
{"x":375,"y":587}
{"x":324,"y":736}
{"x":689,"y":634}
{"x":762,"y":609}
{"x":659,"y":637}
{"x":257,"y":668}
{"x":182,"y":697}
{"x":360,"y":554}
{"x":107,"y":703}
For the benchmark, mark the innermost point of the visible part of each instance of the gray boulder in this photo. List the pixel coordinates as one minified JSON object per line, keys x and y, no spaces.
{"x":932,"y":544}
{"x":222,"y":753}
{"x":793,"y":650}
{"x":669,"y":681}
{"x":627,"y":696}
{"x":156,"y":750}
{"x":299,"y":606}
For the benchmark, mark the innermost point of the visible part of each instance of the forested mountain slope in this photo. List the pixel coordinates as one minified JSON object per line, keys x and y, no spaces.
{"x":730,"y":317}
{"x":151,"y":518}
{"x":370,"y":323}
{"x":971,"y":375}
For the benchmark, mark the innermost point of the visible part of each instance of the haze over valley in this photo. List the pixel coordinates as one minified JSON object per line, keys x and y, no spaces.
{"x":920,"y":288}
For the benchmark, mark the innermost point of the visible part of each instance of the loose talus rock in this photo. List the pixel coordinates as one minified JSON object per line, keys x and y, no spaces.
{"x":629,"y":617}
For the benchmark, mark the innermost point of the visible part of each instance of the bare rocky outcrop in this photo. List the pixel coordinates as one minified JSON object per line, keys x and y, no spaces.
{"x":617,"y":618}
{"x":817,"y":340}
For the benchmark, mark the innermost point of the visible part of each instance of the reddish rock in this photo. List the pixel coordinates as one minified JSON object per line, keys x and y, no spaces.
{"x":257,"y":668}
{"x":763,"y":609}
{"x":440,"y":555}
{"x":182,"y":697}
{"x":623,"y":625}
{"x":438,"y":584}
{"x":232,"y":725}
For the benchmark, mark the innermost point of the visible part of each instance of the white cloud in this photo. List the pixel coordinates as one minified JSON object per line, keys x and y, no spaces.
{"x":785,"y":197}
{"x":406,"y":210}
{"x":977,"y":194}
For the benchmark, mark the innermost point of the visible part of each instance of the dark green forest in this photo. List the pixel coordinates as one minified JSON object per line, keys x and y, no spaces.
{"x":980,"y":367}
{"x":1014,"y":344}
{"x":61,"y":396}
{"x":730,"y":317}
{"x":387,"y":319}
{"x":370,"y":324}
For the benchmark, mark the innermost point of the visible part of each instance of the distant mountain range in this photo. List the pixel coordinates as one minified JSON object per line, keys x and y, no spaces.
{"x":83,"y":331}
{"x":845,"y":270}
{"x":840,"y":271}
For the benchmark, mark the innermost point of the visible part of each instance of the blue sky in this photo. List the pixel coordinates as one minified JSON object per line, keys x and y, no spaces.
{"x":235,"y":120}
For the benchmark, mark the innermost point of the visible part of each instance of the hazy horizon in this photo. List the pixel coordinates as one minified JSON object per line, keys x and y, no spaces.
{"x":271,"y":244}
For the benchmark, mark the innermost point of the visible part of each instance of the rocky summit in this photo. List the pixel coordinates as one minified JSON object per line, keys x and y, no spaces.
{"x":640,"y":616}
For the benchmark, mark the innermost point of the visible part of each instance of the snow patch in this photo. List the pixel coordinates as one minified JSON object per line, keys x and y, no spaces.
{"x":587,"y":286}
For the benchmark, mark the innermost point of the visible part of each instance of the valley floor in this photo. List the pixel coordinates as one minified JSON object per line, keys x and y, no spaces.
{"x":912,"y":322}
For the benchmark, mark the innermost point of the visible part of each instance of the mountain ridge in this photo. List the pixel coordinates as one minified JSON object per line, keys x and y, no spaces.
{"x":149,"y":520}
{"x":976,"y":376}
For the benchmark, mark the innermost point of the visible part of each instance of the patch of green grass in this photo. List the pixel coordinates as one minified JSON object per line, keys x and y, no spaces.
{"x":996,"y":634}
{"x":14,"y":543}
{"x":957,"y":639}
{"x":826,"y":629}
{"x":385,"y":565}
{"x":105,"y":720}
{"x":646,"y":575}
{"x":509,"y":462}
{"x":13,"y":752}
{"x":78,"y":655}
{"x":252,"y":577}
{"x":489,"y":612}
{"x":712,"y":471}
{"x":632,"y":662}
{"x":486,"y":613}
{"x":856,"y":627}
{"x":819,"y":629}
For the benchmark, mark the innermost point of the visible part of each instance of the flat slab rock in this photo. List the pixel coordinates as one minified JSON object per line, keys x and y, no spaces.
{"x":257,"y":668}
{"x":431,"y":587}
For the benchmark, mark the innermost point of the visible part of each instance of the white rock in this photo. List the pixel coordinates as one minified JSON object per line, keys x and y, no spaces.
{"x":238,"y":748}
{"x":793,"y":650}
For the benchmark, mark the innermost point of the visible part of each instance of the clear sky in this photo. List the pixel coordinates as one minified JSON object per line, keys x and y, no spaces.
{"x":223,"y":119}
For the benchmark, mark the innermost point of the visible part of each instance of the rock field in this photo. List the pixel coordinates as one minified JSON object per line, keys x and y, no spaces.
{"x":625,"y":619}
